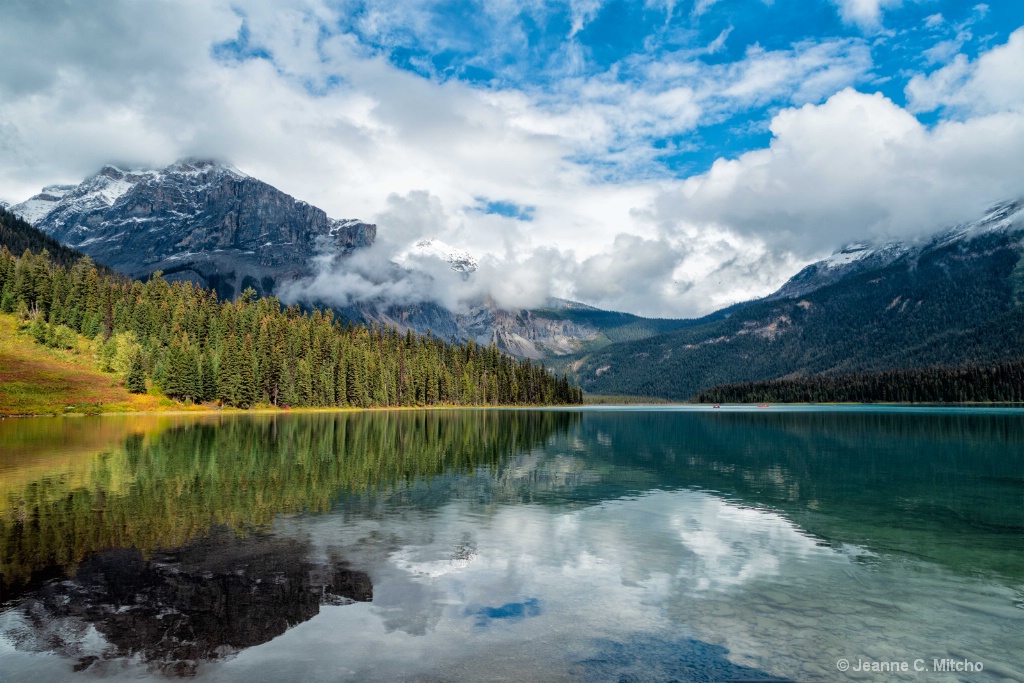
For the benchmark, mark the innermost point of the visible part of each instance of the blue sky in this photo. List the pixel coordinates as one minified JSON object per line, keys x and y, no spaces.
{"x":537,"y":48}
{"x":663,"y":157}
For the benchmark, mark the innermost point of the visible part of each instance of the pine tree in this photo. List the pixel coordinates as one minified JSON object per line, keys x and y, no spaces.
{"x":207,"y":379}
{"x":253,"y":350}
{"x":182,"y":375}
{"x":247,"y":389}
{"x":135,"y":382}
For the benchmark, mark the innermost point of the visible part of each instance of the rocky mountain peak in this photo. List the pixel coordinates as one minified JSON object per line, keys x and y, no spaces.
{"x":199,"y":166}
{"x":861,"y":256}
{"x":459,"y":260}
{"x":196,"y":219}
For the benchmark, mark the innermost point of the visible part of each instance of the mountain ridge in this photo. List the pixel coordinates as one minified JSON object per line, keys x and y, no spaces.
{"x":208,"y":222}
{"x":866,"y":255}
{"x":196,"y":220}
{"x":952,"y":299}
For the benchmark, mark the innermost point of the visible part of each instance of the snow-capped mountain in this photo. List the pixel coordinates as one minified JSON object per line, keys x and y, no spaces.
{"x":953,"y":299}
{"x":212,"y":224}
{"x":861,"y":257}
{"x":194,"y":220}
{"x":460,"y":260}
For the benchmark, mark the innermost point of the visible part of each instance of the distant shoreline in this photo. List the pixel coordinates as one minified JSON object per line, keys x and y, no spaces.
{"x":202,"y":411}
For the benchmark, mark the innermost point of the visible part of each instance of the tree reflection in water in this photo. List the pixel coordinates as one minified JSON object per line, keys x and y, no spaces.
{"x":158,"y":542}
{"x":203,"y":601}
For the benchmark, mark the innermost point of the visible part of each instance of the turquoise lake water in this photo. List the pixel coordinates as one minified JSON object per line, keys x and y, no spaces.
{"x":603,"y":544}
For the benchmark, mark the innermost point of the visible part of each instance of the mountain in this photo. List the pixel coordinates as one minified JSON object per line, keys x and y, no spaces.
{"x":861,"y":257}
{"x":212,"y":224}
{"x":460,"y":260}
{"x":194,"y":220}
{"x":17,"y":236}
{"x":558,"y":329}
{"x":954,"y":299}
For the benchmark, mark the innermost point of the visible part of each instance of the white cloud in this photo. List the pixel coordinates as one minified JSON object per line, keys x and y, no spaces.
{"x":702,"y":6}
{"x":942,"y":51}
{"x":331,"y":120}
{"x":582,"y":12}
{"x":994,"y":82}
{"x":718,"y":43}
{"x":806,"y":73}
{"x":855,"y":166}
{"x":865,"y":13}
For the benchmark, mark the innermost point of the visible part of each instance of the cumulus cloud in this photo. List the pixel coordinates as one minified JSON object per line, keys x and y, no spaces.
{"x":865,"y":13}
{"x":305,"y":95}
{"x":390,"y":272}
{"x":857,"y":165}
{"x":992,"y":83}
{"x":633,"y":274}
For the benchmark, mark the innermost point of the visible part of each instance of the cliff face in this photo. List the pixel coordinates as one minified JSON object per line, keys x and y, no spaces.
{"x":521,"y":332}
{"x":194,"y":220}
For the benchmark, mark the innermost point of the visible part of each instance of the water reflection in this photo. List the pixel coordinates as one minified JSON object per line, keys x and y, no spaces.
{"x":165,"y":483}
{"x":519,"y":545}
{"x":202,"y":601}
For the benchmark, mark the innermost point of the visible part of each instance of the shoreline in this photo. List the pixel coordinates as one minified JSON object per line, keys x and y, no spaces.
{"x":279,"y":411}
{"x":202,"y":411}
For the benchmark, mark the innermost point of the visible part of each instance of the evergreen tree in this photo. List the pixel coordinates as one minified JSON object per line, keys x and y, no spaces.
{"x":135,"y":382}
{"x":196,"y":348}
{"x":182,"y":378}
{"x":247,"y":390}
{"x":208,"y":378}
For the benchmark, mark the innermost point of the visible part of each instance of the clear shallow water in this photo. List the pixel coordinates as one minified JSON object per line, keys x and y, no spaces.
{"x":605,"y":544}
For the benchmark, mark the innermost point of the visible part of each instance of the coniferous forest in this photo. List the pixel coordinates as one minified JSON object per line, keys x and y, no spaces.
{"x":196,"y":348}
{"x":1000,"y":383}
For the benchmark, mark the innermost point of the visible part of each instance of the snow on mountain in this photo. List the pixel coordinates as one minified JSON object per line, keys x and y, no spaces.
{"x":195,"y":220}
{"x":861,"y":256}
{"x":459,"y":260}
{"x":104,"y":189}
{"x":1005,"y":216}
{"x":37,"y":207}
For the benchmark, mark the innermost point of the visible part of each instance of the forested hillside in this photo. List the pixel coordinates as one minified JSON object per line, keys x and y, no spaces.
{"x":954,"y":304}
{"x":1001,"y":383}
{"x":196,"y":348}
{"x":17,"y":236}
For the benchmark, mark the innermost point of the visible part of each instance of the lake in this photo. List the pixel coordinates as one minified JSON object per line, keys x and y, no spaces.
{"x":599,"y":544}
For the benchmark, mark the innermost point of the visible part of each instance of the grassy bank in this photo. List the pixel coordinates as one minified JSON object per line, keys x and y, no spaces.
{"x":36,"y":380}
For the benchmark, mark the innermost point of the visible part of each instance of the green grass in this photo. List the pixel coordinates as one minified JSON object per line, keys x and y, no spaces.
{"x":35,"y":380}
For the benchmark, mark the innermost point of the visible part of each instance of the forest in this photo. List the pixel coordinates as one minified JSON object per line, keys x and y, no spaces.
{"x":181,"y":340}
{"x":999,"y":383}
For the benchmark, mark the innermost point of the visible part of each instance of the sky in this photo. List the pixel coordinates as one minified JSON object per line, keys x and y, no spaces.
{"x":662,"y":157}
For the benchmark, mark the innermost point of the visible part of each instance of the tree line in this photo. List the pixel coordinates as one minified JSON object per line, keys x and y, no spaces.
{"x":193,"y":347}
{"x":17,"y":236}
{"x":999,"y":383}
